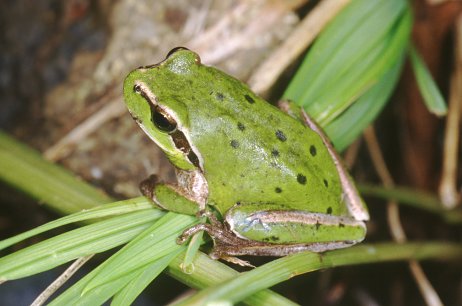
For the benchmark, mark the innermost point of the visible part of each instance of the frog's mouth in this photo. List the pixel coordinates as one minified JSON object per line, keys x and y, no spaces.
{"x":167,"y":123}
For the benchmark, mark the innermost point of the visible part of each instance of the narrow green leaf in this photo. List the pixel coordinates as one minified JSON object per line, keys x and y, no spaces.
{"x":208,"y":272}
{"x":83,"y":241}
{"x":430,"y":92}
{"x":130,"y":292}
{"x":363,"y":43}
{"x":26,"y":170}
{"x":73,"y":295}
{"x":157,"y":241}
{"x":112,"y":209}
{"x":193,"y":247}
{"x":282,"y":269}
{"x":350,"y":124}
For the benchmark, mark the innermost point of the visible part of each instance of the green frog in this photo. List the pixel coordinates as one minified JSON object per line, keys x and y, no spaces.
{"x":267,"y":178}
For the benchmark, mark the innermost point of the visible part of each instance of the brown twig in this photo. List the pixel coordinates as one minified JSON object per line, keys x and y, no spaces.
{"x":61,"y":280}
{"x":268,"y":72}
{"x":394,"y":223}
{"x":219,"y":42}
{"x":448,"y":185}
{"x":64,"y":146}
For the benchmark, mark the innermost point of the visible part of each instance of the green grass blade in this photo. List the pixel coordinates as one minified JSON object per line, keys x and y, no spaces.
{"x":157,"y":241}
{"x":150,"y":252}
{"x":350,"y":124}
{"x":287,"y":267}
{"x":74,"y":296}
{"x":430,"y":92}
{"x":83,"y":241}
{"x":193,"y":247}
{"x":362,"y":44}
{"x":208,"y":272}
{"x":112,"y":209}
{"x":130,"y":292}
{"x":26,"y":170}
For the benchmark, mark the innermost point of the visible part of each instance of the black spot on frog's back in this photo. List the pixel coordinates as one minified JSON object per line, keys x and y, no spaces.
{"x":313,"y":150}
{"x":278,"y":190}
{"x":281,"y":136}
{"x":220,"y":96}
{"x":249,"y":99}
{"x":301,"y":179}
{"x":240,"y":126}
{"x":234,"y":143}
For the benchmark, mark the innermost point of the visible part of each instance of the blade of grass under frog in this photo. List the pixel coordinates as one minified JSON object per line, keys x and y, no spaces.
{"x":284,"y":268}
{"x":144,"y":277}
{"x":155,"y":242}
{"x":193,"y":248}
{"x":430,"y":92}
{"x":90,"y":239}
{"x":74,"y":296}
{"x":151,"y":250}
{"x":210,"y":272}
{"x":105,"y":210}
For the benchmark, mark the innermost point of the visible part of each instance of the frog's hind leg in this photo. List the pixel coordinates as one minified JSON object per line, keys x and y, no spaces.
{"x":227,"y":245}
{"x":277,"y":250}
{"x":355,"y":204}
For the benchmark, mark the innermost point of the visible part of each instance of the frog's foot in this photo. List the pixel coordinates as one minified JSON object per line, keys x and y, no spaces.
{"x":221,"y":238}
{"x":206,"y":213}
{"x":217,"y":232}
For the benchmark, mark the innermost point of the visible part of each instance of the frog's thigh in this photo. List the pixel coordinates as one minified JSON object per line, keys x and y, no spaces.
{"x":279,"y":226}
{"x":168,"y":197}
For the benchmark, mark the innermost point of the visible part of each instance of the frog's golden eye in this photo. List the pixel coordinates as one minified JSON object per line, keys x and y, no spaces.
{"x":163,"y":122}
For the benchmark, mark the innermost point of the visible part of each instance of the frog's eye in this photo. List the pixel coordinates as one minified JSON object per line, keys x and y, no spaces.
{"x":137,"y":88}
{"x":163,"y":122}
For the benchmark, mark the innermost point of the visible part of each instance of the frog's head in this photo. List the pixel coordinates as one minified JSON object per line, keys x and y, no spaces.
{"x":152,"y":95}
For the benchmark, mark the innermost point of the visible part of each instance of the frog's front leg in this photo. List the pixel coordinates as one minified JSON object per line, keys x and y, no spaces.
{"x":181,"y":198}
